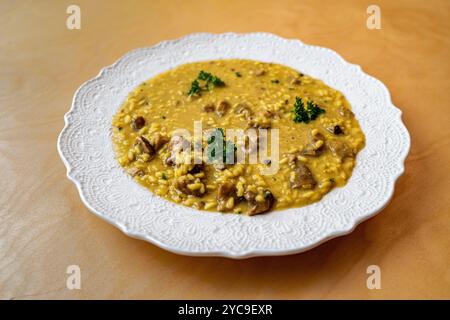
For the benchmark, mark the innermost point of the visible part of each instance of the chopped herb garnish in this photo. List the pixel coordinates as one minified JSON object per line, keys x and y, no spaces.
{"x":209,"y":81}
{"x":229,"y":147}
{"x":311,"y":112}
{"x":300,"y":114}
{"x":195,"y":88}
{"x":238,"y":74}
{"x":275,"y":81}
{"x":163,"y":176}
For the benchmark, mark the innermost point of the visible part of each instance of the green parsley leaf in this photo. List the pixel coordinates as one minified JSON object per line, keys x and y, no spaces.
{"x":302,"y":114}
{"x":209,"y":81}
{"x":313,"y":110}
{"x":195,"y":88}
{"x":229,"y":148}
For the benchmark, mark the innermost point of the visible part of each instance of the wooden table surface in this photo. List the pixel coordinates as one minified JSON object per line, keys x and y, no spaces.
{"x":44,"y":227}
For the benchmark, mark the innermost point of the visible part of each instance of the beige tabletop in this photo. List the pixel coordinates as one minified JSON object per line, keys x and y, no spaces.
{"x":44,"y":227}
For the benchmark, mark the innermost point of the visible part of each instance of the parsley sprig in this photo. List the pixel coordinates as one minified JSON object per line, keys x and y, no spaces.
{"x":302,"y":114}
{"x":195,"y":88}
{"x":208,"y":82}
{"x":229,"y":148}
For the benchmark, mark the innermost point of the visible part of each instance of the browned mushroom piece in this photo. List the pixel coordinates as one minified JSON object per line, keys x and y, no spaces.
{"x":182,"y":185}
{"x":170,"y":160}
{"x":222,"y":108}
{"x":135,"y":172}
{"x":269,"y":114}
{"x":311,"y":149}
{"x":138,"y":123}
{"x":339,"y":149}
{"x":199,"y":205}
{"x":345,"y":112}
{"x":225,"y":191}
{"x":260,"y":72}
{"x":292,"y":159}
{"x":196,"y":168}
{"x":243,"y":108}
{"x":176,"y":144}
{"x":210,"y":107}
{"x":159,"y":141}
{"x":302,"y":178}
{"x":296,"y":81}
{"x":257,"y":207}
{"x":145,"y":146}
{"x":335,"y":130}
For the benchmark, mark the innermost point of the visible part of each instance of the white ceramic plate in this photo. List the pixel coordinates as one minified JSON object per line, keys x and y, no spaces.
{"x":86,"y":149}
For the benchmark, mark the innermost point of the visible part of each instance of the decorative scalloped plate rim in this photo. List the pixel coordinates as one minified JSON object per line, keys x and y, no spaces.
{"x":213,"y":234}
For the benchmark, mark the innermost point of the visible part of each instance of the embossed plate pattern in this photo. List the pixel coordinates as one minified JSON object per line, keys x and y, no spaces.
{"x":86,"y":149}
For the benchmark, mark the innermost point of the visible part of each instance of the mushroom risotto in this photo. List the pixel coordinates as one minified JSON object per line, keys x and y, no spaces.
{"x":308,"y":128}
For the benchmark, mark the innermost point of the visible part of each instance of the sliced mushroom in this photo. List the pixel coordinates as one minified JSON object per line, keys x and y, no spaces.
{"x":176,"y":144}
{"x":196,"y":168}
{"x":222,"y":108}
{"x":302,"y":177}
{"x":225,"y":192}
{"x":345,"y":112}
{"x":292,"y":159}
{"x":145,"y":146}
{"x":159,"y":140}
{"x":243,"y":108}
{"x":210,"y":107}
{"x":296,"y":81}
{"x":269,"y":114}
{"x":314,"y":148}
{"x":135,"y":172}
{"x":257,"y":207}
{"x":260,"y":72}
{"x":340,"y":149}
{"x":335,"y":130}
{"x":138,"y":123}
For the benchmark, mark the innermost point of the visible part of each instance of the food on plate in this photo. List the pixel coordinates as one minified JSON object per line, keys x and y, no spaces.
{"x":318,"y":136}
